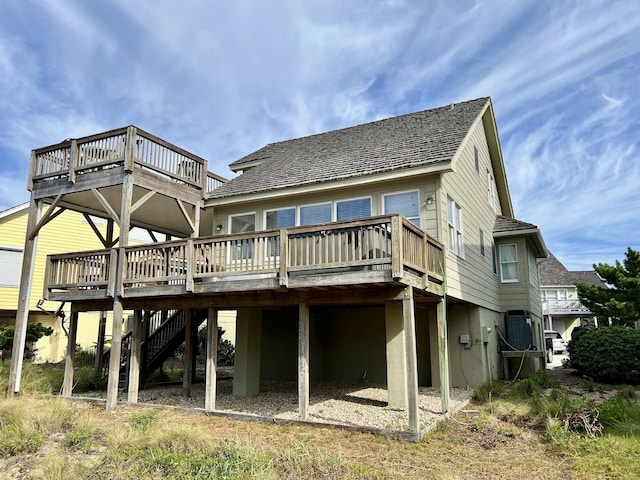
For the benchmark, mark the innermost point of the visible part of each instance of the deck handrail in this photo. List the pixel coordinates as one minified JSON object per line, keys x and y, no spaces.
{"x":128,"y":147}
{"x":388,"y":242}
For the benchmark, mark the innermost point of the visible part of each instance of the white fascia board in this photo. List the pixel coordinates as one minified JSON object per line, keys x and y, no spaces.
{"x":534,"y":233}
{"x":11,"y":210}
{"x":330,"y":185}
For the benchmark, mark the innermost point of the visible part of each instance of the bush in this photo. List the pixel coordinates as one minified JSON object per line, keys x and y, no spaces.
{"x":607,"y":354}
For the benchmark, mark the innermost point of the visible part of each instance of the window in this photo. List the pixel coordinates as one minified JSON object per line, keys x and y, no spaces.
{"x":491,"y":190}
{"x":494,"y":259}
{"x":560,"y":294}
{"x":476,"y":159}
{"x":285,"y":217}
{"x":352,"y":209}
{"x":406,"y":204}
{"x":10,"y":266}
{"x":508,"y":263}
{"x":312,"y":214}
{"x":454,"y":218}
{"x":243,"y":223}
{"x":482,"y":252}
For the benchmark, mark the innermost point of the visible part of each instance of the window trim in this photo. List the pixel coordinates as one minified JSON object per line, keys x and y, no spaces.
{"x":491,"y":190}
{"x":400,"y":192}
{"x":509,"y":280}
{"x":459,"y":232}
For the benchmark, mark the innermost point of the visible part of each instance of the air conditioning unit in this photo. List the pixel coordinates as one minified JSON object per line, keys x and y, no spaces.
{"x":518,"y":327}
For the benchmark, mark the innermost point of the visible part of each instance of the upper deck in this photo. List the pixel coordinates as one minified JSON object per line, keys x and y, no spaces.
{"x":87,"y":175}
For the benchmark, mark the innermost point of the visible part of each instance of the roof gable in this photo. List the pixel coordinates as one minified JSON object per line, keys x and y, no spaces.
{"x":426,"y":138}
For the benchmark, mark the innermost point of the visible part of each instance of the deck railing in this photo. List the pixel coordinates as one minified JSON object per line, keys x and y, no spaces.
{"x":129,"y":147}
{"x":93,"y":270}
{"x":564,"y":307}
{"x":378,"y":243}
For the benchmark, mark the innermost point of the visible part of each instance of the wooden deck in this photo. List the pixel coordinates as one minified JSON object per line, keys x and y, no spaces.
{"x":376,"y":250}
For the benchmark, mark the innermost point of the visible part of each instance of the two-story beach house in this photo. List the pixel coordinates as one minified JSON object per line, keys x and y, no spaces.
{"x":561,"y":307}
{"x":387,"y":251}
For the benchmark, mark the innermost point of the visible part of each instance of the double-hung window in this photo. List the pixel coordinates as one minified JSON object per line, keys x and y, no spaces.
{"x":406,"y":204}
{"x":454,"y":219}
{"x":508,"y":263}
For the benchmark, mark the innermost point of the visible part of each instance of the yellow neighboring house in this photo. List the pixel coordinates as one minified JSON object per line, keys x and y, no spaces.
{"x":70,"y":232}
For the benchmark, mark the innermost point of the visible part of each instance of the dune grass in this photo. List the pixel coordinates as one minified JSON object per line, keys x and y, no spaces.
{"x":529,"y":430}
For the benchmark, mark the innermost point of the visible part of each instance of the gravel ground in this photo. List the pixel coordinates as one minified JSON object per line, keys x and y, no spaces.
{"x":362,"y":405}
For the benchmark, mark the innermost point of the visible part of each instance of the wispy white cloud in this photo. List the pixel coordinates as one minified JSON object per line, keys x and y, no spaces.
{"x":225,"y":78}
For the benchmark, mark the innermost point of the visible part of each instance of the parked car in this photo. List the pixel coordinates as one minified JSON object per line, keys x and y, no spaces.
{"x":559,"y":344}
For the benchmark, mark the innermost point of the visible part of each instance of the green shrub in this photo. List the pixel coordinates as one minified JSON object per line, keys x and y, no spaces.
{"x":607,"y":354}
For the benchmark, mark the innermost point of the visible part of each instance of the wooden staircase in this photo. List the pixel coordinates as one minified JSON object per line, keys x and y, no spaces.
{"x":166,"y":333}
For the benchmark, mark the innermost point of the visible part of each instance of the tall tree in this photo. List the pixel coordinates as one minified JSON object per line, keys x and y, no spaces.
{"x":621,"y":302}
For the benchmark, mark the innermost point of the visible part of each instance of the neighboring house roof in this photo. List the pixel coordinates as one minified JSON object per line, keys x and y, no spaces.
{"x":590,"y":277}
{"x":553,"y":272}
{"x":12,"y":210}
{"x":426,"y":138}
{"x":506,"y":227}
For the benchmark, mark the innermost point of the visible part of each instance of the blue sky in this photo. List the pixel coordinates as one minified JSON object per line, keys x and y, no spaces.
{"x":223,"y":78}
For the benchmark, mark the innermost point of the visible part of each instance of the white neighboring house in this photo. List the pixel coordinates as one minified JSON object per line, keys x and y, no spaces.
{"x":561,"y":307}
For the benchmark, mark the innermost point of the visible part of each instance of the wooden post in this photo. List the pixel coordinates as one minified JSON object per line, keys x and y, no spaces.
{"x":102,"y":330}
{"x":22,"y":314}
{"x":134,"y":357}
{"x":284,"y":258}
{"x":73,"y":163}
{"x":396,"y":247}
{"x":212,"y":360}
{"x":114,"y":356}
{"x":408,"y":317}
{"x":187,"y":361}
{"x":67,"y":383}
{"x":303,"y":361}
{"x":443,"y":353}
{"x":116,"y":328}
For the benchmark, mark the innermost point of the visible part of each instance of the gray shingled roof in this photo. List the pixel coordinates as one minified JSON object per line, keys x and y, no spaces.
{"x":504,"y":224}
{"x":553,"y":272}
{"x":424,"y":138}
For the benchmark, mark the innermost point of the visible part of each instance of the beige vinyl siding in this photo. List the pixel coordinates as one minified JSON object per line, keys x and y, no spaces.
{"x":516,"y":295}
{"x":471,"y":278}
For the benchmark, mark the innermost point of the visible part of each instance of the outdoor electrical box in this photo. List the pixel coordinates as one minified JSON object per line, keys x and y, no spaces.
{"x":465,"y":339}
{"x":485,"y":334}
{"x":518,"y":326}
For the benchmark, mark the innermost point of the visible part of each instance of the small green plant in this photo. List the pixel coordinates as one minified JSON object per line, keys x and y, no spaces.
{"x":143,"y":421}
{"x":80,"y":439}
